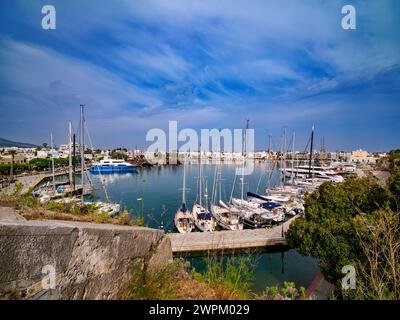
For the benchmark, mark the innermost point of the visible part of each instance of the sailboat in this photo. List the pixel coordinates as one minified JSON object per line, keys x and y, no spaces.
{"x":203,"y":219}
{"x":251,"y":214}
{"x":57,"y":191}
{"x":256,"y":213}
{"x":184,"y":220}
{"x":227,"y":218}
{"x":112,"y":209}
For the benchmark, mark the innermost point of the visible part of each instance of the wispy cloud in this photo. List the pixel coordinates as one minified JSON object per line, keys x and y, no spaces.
{"x":138,"y":64}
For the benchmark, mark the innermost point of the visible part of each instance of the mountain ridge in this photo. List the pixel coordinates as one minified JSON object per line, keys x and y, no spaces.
{"x":9,"y":143}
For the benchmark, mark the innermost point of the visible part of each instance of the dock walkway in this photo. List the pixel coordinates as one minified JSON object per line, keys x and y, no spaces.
{"x":228,"y":240}
{"x":31,"y":181}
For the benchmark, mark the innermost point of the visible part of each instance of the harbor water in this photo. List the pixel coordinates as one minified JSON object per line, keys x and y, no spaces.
{"x":156,"y":193}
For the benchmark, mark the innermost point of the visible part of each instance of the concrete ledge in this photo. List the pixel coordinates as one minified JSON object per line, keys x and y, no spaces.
{"x":9,"y":214}
{"x":92,"y":261}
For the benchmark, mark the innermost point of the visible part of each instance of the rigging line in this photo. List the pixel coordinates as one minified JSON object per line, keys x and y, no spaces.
{"x":290,"y":145}
{"x":275,"y":143}
{"x":213,"y":196}
{"x":102,"y":180}
{"x":197,"y":189}
{"x":259,"y":181}
{"x":233,"y":188}
{"x":275,"y":165}
{"x":224,"y":192}
{"x":308,"y":143}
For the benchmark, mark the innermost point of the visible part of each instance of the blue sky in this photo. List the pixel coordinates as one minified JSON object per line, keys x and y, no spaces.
{"x":206,"y":64}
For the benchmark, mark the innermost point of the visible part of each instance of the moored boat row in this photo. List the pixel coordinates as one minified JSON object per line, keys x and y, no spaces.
{"x":254,"y":210}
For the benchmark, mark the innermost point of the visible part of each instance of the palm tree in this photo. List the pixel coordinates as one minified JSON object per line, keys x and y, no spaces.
{"x":12,"y":152}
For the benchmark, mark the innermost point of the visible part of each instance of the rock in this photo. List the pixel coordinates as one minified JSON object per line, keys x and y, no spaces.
{"x":10,"y":214}
{"x":160,"y":254}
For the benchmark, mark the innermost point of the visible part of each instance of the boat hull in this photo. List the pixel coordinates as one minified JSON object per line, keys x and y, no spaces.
{"x":223,"y":222}
{"x":184,"y":221}
{"x":251,"y":224}
{"x":203,"y":219}
{"x":111,"y":169}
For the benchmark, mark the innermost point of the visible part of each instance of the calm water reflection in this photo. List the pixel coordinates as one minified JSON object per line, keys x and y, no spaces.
{"x":158,"y":190}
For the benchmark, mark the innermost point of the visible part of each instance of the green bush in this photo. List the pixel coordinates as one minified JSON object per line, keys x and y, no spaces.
{"x":329,"y":229}
{"x":233,"y":273}
{"x":157,"y":285}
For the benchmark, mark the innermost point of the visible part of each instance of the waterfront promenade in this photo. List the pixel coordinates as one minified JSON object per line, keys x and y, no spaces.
{"x":229,"y":240}
{"x":31,"y":181}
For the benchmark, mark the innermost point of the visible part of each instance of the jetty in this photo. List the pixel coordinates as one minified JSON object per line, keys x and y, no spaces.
{"x":32,"y":180}
{"x":229,"y":240}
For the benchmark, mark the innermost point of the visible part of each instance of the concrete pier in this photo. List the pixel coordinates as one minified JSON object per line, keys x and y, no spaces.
{"x":229,"y":240}
{"x":31,"y":181}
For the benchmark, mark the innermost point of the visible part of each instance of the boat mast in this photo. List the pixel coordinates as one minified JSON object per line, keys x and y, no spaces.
{"x":233,"y":189}
{"x":52,"y":160}
{"x":214,"y":190}
{"x":311,"y":152}
{"x":184,"y":187}
{"x":284,"y":156}
{"x":220,"y":184}
{"x":70,"y":153}
{"x":200,"y":182}
{"x":82,"y":151}
{"x":74,"y":160}
{"x":206,"y":194}
{"x":269,"y":143}
{"x":293,"y":153}
{"x":244,"y":154}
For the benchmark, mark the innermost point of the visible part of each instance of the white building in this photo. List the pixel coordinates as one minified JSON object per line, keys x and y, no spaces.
{"x":362,"y":156}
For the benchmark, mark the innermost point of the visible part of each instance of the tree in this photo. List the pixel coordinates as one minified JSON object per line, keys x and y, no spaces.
{"x":116,"y":154}
{"x":379,"y":266}
{"x":393,"y":183}
{"x":327,"y":231}
{"x":394,"y":158}
{"x":12,"y":152}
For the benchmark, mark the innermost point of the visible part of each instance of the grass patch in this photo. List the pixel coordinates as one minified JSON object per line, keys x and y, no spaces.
{"x":159,"y":285}
{"x":230,"y":276}
{"x":223,"y":278}
{"x":31,"y":208}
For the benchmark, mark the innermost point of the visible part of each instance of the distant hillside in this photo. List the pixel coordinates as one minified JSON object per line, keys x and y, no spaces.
{"x":8,"y":143}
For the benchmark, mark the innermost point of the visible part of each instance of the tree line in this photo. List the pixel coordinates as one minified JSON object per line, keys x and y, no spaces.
{"x":355,"y":223}
{"x":37,"y":164}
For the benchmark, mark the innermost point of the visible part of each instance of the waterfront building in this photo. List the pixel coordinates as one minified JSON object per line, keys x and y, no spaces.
{"x":18,"y":159}
{"x":362,"y":157}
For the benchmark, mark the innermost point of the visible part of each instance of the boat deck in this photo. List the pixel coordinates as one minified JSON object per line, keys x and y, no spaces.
{"x":228,"y":240}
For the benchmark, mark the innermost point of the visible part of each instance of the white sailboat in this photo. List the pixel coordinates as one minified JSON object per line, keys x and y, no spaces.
{"x":184,"y":220}
{"x":227,"y":218}
{"x":254,"y":216}
{"x":203,"y":219}
{"x":112,"y":209}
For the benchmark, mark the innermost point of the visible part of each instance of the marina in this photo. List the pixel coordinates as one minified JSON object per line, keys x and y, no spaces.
{"x":206,"y":207}
{"x":222,"y":210}
{"x":200,"y":150}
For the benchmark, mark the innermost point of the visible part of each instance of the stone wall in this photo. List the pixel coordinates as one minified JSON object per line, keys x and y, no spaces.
{"x":91,"y":261}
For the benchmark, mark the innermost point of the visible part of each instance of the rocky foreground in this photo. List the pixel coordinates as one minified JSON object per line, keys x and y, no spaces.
{"x":73,"y":260}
